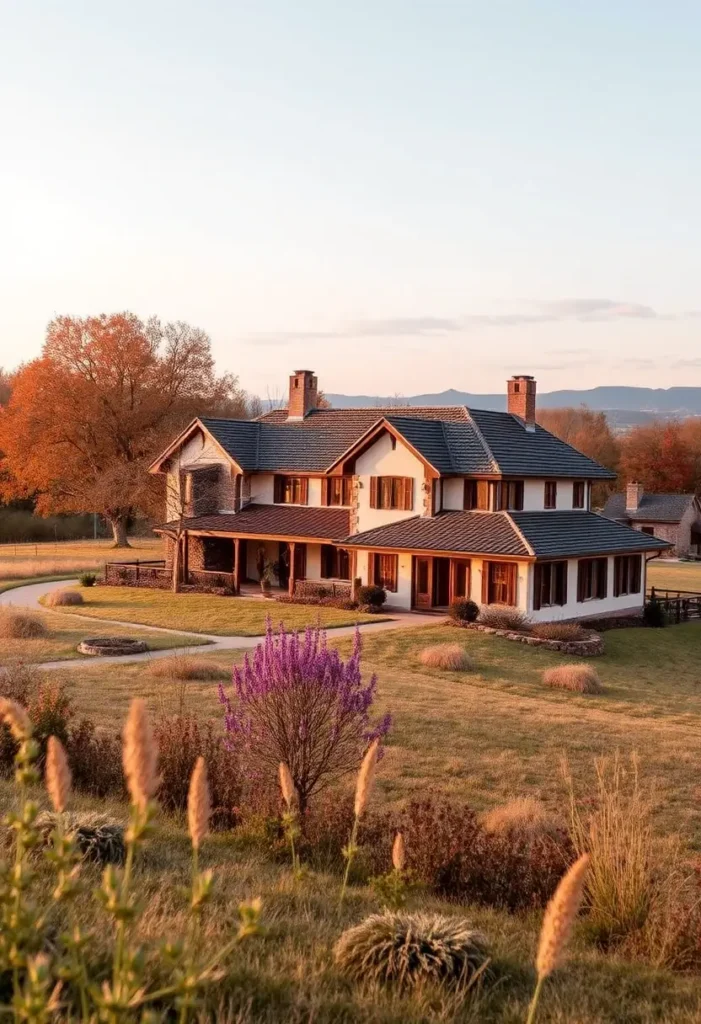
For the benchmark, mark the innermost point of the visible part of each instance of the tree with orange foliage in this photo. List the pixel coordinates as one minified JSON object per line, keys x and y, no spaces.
{"x":659,"y":456}
{"x":86,"y":418}
{"x":589,"y":432}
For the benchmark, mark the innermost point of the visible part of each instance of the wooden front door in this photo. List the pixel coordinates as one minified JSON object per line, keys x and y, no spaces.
{"x":423,"y":582}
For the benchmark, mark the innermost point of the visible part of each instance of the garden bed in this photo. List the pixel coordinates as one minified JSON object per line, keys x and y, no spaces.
{"x":591,"y":647}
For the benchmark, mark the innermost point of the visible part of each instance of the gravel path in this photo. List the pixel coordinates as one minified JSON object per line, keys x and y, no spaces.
{"x":28,"y":597}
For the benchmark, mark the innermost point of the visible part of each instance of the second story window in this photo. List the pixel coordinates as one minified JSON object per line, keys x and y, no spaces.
{"x":337,"y":490}
{"x":579,"y":490}
{"x":508,"y":495}
{"x":550,"y":494}
{"x":291,"y":490}
{"x":392,"y":492}
{"x":476,"y":495}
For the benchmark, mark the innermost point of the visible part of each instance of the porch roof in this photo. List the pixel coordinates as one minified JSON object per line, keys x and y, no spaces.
{"x":327,"y":524}
{"x":490,"y":533}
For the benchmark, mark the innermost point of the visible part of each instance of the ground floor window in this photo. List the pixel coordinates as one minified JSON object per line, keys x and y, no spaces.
{"x":461,"y":579}
{"x":592,"y":579}
{"x":385,"y":569}
{"x":335,"y":563}
{"x":549,"y":584}
{"x":627,"y":575}
{"x":218,"y":554}
{"x":499,"y":582}
{"x":649,"y":530}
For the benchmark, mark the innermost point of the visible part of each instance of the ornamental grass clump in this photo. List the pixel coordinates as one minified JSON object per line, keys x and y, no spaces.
{"x":297,"y":702}
{"x":412,"y":949}
{"x":20,"y":625}
{"x":575,"y":678}
{"x":449,"y":657}
{"x":63,"y":598}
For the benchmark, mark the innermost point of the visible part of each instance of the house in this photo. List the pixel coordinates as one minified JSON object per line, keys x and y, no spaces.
{"x":430,"y":503}
{"x":675,"y":518}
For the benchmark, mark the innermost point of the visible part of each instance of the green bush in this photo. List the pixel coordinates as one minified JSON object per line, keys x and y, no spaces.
{"x":87,"y":579}
{"x":462,"y":609}
{"x":654,"y":615}
{"x":372,"y":595}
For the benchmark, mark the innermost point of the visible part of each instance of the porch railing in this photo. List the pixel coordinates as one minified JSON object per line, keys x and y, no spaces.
{"x":679,"y":605}
{"x":323,"y":588}
{"x":151,"y":573}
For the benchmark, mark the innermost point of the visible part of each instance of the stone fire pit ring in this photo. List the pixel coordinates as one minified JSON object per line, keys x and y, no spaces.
{"x":111,"y":646}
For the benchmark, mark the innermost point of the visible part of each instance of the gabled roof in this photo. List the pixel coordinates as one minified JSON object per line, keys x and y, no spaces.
{"x":548,"y":534}
{"x":658,"y":508}
{"x":452,"y":440}
{"x":272,"y":521}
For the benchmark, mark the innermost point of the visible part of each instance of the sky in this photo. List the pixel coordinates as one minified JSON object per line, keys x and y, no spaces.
{"x":402,"y":196}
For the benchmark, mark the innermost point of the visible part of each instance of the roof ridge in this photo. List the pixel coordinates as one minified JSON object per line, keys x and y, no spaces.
{"x":521,"y":535}
{"x":446,"y":442}
{"x":483,"y":441}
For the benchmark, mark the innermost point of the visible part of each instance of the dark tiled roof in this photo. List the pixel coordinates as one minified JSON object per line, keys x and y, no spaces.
{"x":659,"y":508}
{"x":368,"y":416}
{"x":275,"y":521}
{"x":449,"y":446}
{"x":520,"y":452}
{"x":559,"y":534}
{"x":469,"y":532}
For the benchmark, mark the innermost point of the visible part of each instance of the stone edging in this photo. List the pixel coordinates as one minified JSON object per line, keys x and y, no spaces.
{"x":592,"y":647}
{"x":102,"y":646}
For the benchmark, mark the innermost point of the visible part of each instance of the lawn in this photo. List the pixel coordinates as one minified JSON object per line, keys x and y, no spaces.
{"x":31,"y":561}
{"x":674,"y":575}
{"x":65,"y":635}
{"x":207,"y":613}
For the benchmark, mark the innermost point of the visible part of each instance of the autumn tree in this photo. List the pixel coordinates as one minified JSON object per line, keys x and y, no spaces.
{"x":660,"y":456}
{"x":589,"y":432}
{"x":86,"y":418}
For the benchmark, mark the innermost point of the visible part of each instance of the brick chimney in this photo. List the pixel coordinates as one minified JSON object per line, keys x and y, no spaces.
{"x":303,"y":394}
{"x":634,"y":495}
{"x":521,"y":392}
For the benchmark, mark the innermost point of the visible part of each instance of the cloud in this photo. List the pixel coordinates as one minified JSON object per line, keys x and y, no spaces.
{"x":597,"y":309}
{"x":689,"y":364}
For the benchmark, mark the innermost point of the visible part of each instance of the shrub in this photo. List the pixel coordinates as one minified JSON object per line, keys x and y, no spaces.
{"x":95,"y":759}
{"x":181,"y":740}
{"x":451,"y":657}
{"x":523,"y":818}
{"x":372,"y":596}
{"x":503,"y":616}
{"x":297,"y":702}
{"x":567,"y":631}
{"x":462,"y":609}
{"x":184,"y":666}
{"x":654,"y":614}
{"x":63,"y":598}
{"x":50,"y":712}
{"x":577,"y":678}
{"x":412,"y":949}
{"x":98,"y":837}
{"x":21,"y":625}
{"x":87,"y":579}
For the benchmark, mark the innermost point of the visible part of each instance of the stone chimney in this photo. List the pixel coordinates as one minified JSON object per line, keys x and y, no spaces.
{"x":303,"y":394}
{"x":634,"y":495}
{"x":521,"y":392}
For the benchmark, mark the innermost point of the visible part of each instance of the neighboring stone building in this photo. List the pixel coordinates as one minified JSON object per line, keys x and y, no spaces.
{"x":672,"y":517}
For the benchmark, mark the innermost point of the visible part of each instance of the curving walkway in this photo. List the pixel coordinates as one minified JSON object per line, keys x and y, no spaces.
{"x":28,"y":597}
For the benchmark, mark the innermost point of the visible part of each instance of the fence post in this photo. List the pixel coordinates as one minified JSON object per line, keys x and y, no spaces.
{"x":137,"y":572}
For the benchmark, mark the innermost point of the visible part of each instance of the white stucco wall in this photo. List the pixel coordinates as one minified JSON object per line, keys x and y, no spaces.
{"x":574,"y":609}
{"x":262,"y":488}
{"x":199,"y":451}
{"x":381,"y":460}
{"x":453,"y":493}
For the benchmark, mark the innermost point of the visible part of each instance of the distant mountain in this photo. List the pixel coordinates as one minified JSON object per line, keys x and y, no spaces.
{"x":625,"y":406}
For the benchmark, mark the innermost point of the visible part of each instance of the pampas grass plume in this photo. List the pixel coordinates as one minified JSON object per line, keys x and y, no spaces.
{"x":366,"y":777}
{"x":287,"y":785}
{"x":559,"y":918}
{"x":16,"y":718}
{"x":58,"y":774}
{"x":398,"y":852}
{"x":140,"y":755}
{"x":199,"y":804}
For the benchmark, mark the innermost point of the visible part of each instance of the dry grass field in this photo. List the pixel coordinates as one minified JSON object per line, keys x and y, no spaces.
{"x":674,"y":575}
{"x":207,"y":613}
{"x":29,"y":562}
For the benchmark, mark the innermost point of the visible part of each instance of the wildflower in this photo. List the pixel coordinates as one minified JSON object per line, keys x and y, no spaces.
{"x":140,"y":755}
{"x":58,"y":774}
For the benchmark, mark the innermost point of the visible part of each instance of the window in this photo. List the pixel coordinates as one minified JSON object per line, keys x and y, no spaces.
{"x":385,"y":570}
{"x":508,"y":494}
{"x":579,"y":490}
{"x":396,"y":492}
{"x":626,"y":575}
{"x":499,"y":582}
{"x":291,"y":490}
{"x":461,"y":579}
{"x":549,"y":584}
{"x":337,"y":490}
{"x":592,"y":579}
{"x":551,"y":494}
{"x":649,"y":530}
{"x":476,"y":495}
{"x":335,"y":563}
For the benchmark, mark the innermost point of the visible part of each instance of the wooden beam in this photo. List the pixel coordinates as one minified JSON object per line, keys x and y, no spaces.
{"x":292,"y":581}
{"x":237,"y":565}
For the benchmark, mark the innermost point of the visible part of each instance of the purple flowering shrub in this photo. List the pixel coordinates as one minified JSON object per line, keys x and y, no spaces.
{"x":299,"y":702}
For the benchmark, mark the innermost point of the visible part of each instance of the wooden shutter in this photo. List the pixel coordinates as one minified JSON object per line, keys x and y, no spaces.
{"x":469,"y":494}
{"x":636,"y":574}
{"x":486,"y":568}
{"x":561,"y":583}
{"x":512,"y":580}
{"x":304,"y":491}
{"x":617,"y":574}
{"x":537,"y":586}
{"x":325,"y":483}
{"x":408,"y":496}
{"x":581,"y":579}
{"x":277,"y":488}
{"x":374,"y":491}
{"x":483,"y":495}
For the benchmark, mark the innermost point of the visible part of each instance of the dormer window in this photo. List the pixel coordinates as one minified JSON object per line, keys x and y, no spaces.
{"x":508,"y":496}
{"x":291,"y":490}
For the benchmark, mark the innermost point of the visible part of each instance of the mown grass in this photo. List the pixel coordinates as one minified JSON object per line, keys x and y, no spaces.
{"x":288,"y":974}
{"x":32,"y":562}
{"x":65,"y":635}
{"x":674,"y":575}
{"x":207,"y":613}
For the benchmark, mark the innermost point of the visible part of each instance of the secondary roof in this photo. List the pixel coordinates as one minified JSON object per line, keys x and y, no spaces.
{"x":658,"y":508}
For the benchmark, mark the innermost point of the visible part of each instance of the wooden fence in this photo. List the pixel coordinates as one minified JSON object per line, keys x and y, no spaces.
{"x":154,"y":575}
{"x":679,"y":605}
